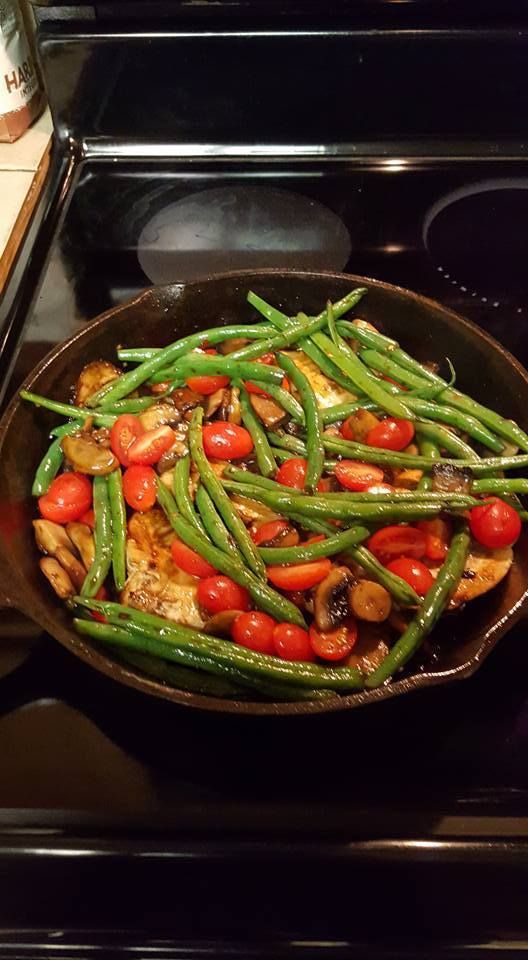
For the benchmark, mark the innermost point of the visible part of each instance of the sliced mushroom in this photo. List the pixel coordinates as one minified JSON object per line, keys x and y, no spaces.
{"x":407,"y":479}
{"x":267,"y":410}
{"x":87,"y":456}
{"x":185,"y":399}
{"x":331,"y":600}
{"x":169,"y":459}
{"x":72,"y":566}
{"x":92,"y":377}
{"x":50,"y":536}
{"x":234,"y":343}
{"x":82,"y":539}
{"x":370,"y":649}
{"x":158,"y":415}
{"x":231,"y":411}
{"x":370,"y":601}
{"x":450,"y":479}
{"x":58,"y":577}
{"x":215,"y":401}
{"x":220,"y":625}
{"x":167,"y":479}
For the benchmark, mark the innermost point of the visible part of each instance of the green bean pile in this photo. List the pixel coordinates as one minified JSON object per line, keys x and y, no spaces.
{"x":305,"y":521}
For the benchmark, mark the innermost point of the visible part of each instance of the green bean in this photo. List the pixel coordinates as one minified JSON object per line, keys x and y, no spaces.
{"x":286,"y":442}
{"x":240,"y":331}
{"x":344,"y":410}
{"x":281,"y":320}
{"x":51,"y":462}
{"x":445,"y":439}
{"x":336,"y":543}
{"x":65,"y":429}
{"x":374,"y":512}
{"x":326,"y":366}
{"x":429,"y":611}
{"x":119,"y":527}
{"x":295,"y":330}
{"x":265,"y":459}
{"x":398,"y":588}
{"x":195,"y":365}
{"x":507,"y":429}
{"x":213,"y":523}
{"x":131,"y":404}
{"x":365,"y":335}
{"x":219,"y":497}
{"x":182,"y":678}
{"x":429,"y":449}
{"x":263,"y":596}
{"x":98,"y":571}
{"x":500,"y":485}
{"x":283,"y":398}
{"x":178,"y":639}
{"x":386,"y":365}
{"x":282,"y":455}
{"x":156,"y":657}
{"x":361,"y":451}
{"x":182,"y":495}
{"x":68,"y":410}
{"x":312,"y":416}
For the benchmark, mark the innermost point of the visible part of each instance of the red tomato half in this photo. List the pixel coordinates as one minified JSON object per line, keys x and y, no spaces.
{"x":347,"y":429}
{"x":219,"y":593}
{"x":207,"y":385}
{"x":68,"y":497}
{"x":414,"y":572}
{"x":357,"y":476}
{"x":391,"y":434}
{"x":189,"y":561}
{"x":437,"y":534}
{"x":125,"y":430}
{"x":151,"y":445}
{"x":292,"y":473}
{"x":292,"y":642}
{"x":226,"y":441}
{"x":299,"y":576}
{"x":275,"y":530}
{"x":334,"y":645}
{"x":139,"y":487}
{"x":255,"y":631}
{"x":397,"y":541}
{"x":88,"y":518}
{"x":495,"y":524}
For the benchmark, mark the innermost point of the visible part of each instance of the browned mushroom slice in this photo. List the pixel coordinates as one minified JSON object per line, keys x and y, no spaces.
{"x":371,"y":647}
{"x":231,"y":411}
{"x":267,"y":410}
{"x":215,"y":401}
{"x":83,"y":541}
{"x":58,"y":577}
{"x":170,"y":458}
{"x":220,"y":625}
{"x":72,"y":565}
{"x":158,"y":415}
{"x":370,"y":601}
{"x":92,"y":377}
{"x":450,"y":479}
{"x":50,"y":536}
{"x":332,"y":599}
{"x":185,"y":399}
{"x":234,"y":343}
{"x":87,"y":456}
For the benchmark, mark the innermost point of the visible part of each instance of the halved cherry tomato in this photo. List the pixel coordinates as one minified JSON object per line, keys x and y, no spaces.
{"x":495,"y":524}
{"x":69,"y":496}
{"x":299,"y":576}
{"x":219,"y":593}
{"x":414,"y":572}
{"x":397,"y":541}
{"x":226,"y":441}
{"x":269,"y":359}
{"x":292,"y":473}
{"x":125,"y":430}
{"x":255,"y":631}
{"x":206,"y":385}
{"x":190,"y":561}
{"x":334,"y":645}
{"x":391,"y":434}
{"x":292,"y":642}
{"x":139,"y":487}
{"x":357,"y":476}
{"x":88,"y":518}
{"x":437,"y":534}
{"x":275,"y":533}
{"x":151,"y":445}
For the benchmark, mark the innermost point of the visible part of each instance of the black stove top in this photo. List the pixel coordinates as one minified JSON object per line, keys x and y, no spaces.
{"x":112,"y":804}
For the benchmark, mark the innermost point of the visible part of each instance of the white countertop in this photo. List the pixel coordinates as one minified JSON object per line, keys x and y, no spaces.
{"x":19,"y":162}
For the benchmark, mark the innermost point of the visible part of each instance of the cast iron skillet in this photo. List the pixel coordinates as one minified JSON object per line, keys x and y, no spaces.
{"x":159,"y":315}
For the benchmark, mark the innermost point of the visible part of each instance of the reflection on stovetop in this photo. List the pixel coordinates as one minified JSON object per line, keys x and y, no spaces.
{"x":70,"y":738}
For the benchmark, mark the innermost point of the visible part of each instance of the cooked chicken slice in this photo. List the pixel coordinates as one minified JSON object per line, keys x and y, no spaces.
{"x":328,"y":393}
{"x":483,"y":571}
{"x":154,"y":582}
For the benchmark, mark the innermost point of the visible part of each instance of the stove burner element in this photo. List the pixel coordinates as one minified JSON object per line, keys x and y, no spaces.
{"x":477,"y":237}
{"x":238,"y":227}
